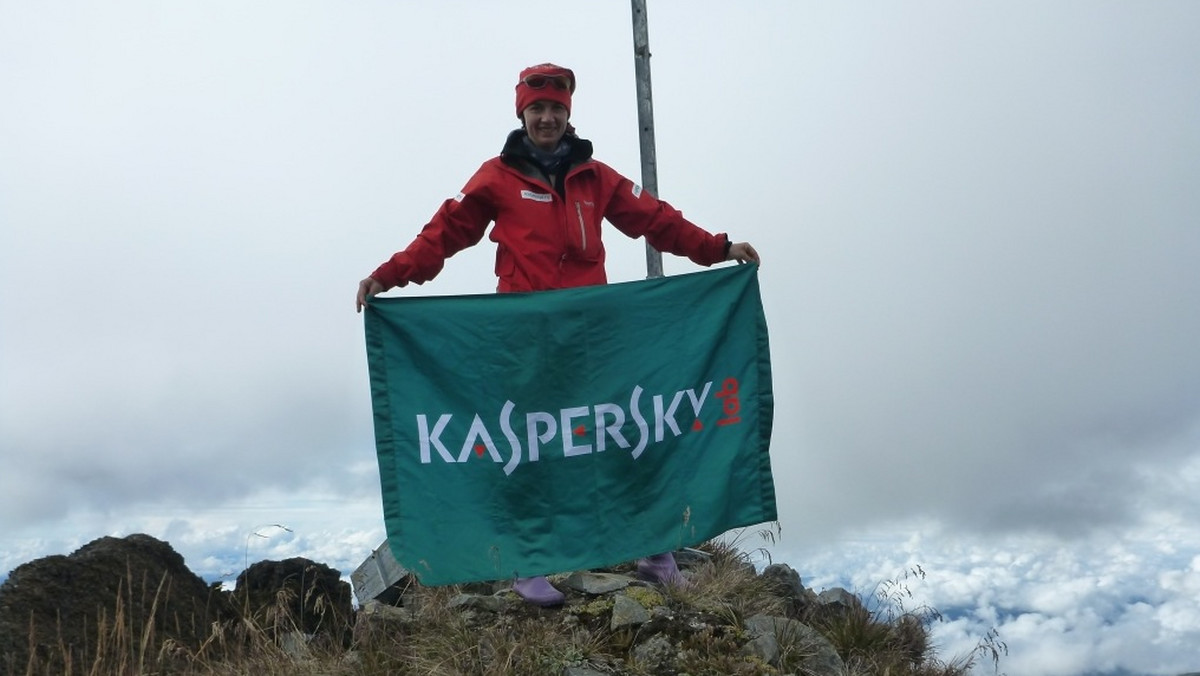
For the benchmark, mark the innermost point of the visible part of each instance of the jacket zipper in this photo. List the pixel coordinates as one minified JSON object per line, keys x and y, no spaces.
{"x":582,"y":227}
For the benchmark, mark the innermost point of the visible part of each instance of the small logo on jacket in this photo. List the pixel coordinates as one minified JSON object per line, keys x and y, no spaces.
{"x":536,"y":196}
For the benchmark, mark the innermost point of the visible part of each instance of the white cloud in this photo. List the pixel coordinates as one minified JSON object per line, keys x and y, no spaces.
{"x":977,"y":223}
{"x":1109,"y":602}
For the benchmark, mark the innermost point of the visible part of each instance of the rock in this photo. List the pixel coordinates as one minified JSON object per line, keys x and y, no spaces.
{"x":627,"y":611}
{"x":384,"y":612}
{"x":57,"y":603}
{"x":656,"y":654}
{"x":492,"y":604}
{"x":838,"y":599}
{"x":297,"y":595}
{"x":764,"y":646}
{"x":597,"y":583}
{"x":294,"y":644}
{"x":784,"y":580}
{"x":772,"y":636}
{"x":690,"y":558}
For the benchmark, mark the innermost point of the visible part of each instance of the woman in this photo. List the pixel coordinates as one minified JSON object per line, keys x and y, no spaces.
{"x":547,"y":198}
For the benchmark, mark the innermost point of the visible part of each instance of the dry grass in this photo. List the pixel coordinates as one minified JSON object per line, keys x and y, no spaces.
{"x":884,"y":635}
{"x":704,"y":622}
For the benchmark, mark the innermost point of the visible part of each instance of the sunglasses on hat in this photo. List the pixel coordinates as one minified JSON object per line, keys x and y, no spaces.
{"x":541,"y":81}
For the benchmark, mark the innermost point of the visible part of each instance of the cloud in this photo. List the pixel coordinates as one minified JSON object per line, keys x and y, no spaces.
{"x":978,"y":226}
{"x":1116,"y":601}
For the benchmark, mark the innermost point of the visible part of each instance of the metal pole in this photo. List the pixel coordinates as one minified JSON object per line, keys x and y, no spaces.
{"x":645,"y":103}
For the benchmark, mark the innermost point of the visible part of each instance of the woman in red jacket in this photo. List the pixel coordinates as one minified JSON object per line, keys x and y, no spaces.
{"x":547,"y":198}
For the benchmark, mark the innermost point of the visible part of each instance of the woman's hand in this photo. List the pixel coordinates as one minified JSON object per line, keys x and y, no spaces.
{"x":742,"y":252}
{"x":367,"y":288}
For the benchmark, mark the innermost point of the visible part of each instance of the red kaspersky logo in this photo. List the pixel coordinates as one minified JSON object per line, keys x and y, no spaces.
{"x":606,"y":419}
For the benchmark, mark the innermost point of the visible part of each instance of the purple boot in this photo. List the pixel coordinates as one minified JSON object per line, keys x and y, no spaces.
{"x":538,"y":591}
{"x":661,"y":569}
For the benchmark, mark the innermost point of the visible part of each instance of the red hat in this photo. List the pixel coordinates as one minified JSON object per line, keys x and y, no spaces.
{"x":547,"y":82}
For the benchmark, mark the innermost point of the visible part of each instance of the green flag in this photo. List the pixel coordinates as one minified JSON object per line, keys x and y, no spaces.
{"x":531,"y":433}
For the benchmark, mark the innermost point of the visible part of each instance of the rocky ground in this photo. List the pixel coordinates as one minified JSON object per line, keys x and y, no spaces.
{"x":124,"y":603}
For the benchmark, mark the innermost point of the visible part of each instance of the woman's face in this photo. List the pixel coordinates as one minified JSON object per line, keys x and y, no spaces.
{"x":545,"y":122}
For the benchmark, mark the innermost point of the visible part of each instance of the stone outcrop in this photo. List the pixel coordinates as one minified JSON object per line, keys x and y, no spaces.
{"x":65,"y":606}
{"x":136,"y":590}
{"x":296,"y":598}
{"x":59,"y":605}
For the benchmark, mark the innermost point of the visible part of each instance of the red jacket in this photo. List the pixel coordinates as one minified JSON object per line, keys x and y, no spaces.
{"x":547,"y":237}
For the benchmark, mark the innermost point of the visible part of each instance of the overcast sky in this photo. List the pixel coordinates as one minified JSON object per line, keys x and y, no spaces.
{"x":980,"y":225}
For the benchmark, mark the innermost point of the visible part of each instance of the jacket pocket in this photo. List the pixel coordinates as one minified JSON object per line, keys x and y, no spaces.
{"x":505,"y":264}
{"x":584,"y":222}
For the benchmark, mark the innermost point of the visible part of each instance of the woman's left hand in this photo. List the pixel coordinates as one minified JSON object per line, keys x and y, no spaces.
{"x":742,"y":252}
